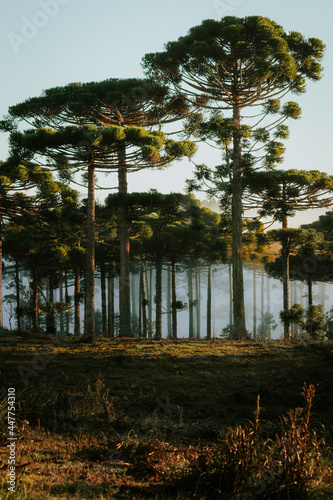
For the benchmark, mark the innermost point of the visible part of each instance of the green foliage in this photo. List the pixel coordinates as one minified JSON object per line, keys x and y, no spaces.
{"x":293,"y":315}
{"x":315,"y":322}
{"x":329,"y":324}
{"x":280,"y":194}
{"x":267,"y":324}
{"x":292,"y":110}
{"x":277,"y":57}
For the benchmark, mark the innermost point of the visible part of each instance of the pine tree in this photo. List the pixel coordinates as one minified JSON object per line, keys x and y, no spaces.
{"x":235,"y":64}
{"x":280,"y":194}
{"x":99,"y":126}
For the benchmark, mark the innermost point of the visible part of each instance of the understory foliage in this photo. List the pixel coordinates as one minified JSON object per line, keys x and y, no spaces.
{"x":259,"y":459}
{"x":248,"y":463}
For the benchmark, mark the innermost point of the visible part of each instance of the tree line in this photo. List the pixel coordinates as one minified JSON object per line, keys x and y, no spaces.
{"x":224,"y":83}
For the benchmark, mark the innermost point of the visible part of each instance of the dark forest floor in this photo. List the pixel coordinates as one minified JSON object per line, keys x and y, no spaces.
{"x":133,"y":419}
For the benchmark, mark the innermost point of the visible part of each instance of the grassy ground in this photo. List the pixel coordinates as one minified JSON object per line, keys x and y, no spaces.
{"x":143,"y":419}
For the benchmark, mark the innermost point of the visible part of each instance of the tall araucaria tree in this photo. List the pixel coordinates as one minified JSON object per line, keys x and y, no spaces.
{"x":100,"y":127}
{"x":232,"y":65}
{"x":280,"y":194}
{"x":15,"y":204}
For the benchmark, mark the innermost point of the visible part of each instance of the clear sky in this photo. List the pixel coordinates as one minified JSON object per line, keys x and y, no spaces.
{"x":46,"y":43}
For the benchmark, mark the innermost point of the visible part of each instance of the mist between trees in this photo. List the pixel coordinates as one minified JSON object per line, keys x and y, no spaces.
{"x":268,"y":302}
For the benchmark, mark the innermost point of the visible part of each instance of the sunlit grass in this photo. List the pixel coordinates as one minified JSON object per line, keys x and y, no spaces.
{"x":126,"y":418}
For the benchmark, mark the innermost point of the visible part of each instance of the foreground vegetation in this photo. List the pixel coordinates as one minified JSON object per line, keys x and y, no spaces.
{"x":188,"y":419}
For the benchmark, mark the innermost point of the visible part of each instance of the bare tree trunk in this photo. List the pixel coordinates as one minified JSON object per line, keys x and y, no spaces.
{"x":262,"y":310}
{"x":18,"y":296}
{"x":143,"y":301}
{"x":103,"y":297}
{"x":67,"y":297}
{"x":89,"y":330}
{"x":285,"y":277}
{"x":174,"y":299}
{"x":150,"y":302}
{"x":169,"y":303}
{"x":111,"y":325}
{"x":158,"y":305}
{"x":77,"y":295}
{"x":198,"y":303}
{"x":254,"y":302}
{"x":231,"y":302}
{"x":239,"y":330}
{"x":310,"y":292}
{"x":1,"y":320}
{"x":134,"y":307}
{"x":124,"y":243}
{"x":34,"y":297}
{"x":268,"y":287}
{"x":50,"y":320}
{"x":190,"y":303}
{"x":209,"y":301}
{"x":61,"y":299}
{"x":323,"y":296}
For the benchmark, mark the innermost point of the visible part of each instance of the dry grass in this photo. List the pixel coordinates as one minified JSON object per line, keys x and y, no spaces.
{"x":144,"y":419}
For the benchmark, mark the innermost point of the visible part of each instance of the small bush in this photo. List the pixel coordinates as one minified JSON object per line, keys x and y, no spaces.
{"x":246,"y":464}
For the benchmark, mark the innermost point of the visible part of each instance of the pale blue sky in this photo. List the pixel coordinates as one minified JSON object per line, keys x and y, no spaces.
{"x":45,"y":43}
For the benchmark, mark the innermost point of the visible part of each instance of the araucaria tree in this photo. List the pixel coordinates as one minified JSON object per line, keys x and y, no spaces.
{"x":232,"y":65}
{"x":280,"y":194}
{"x":97,"y":127}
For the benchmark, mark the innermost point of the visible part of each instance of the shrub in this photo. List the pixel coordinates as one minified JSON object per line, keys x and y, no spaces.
{"x":248,"y":464}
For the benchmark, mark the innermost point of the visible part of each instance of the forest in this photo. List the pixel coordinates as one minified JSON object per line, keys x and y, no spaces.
{"x":94,"y":292}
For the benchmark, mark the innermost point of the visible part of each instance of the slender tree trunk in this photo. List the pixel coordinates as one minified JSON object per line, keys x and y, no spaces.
{"x":77,"y":296}
{"x":239,"y":330}
{"x":190,"y":303}
{"x":268,"y":287}
{"x":310,"y":292}
{"x":150,"y":303}
{"x":254,"y":302}
{"x":111,"y":325}
{"x":50,"y":320}
{"x":67,"y":300}
{"x":169,"y":303}
{"x":103,"y":296}
{"x":134,"y":307}
{"x":90,"y":273}
{"x":1,"y":320}
{"x":174,"y":298}
{"x":323,"y":296}
{"x":262,"y":309}
{"x":61,"y":299}
{"x":158,"y":305}
{"x":285,"y":277}
{"x":143,"y":302}
{"x":209,"y":301}
{"x":124,"y":243}
{"x":198,"y":303}
{"x":18,"y":296}
{"x":213,"y":316}
{"x":231,"y":302}
{"x":140,"y":304}
{"x":293,"y":326}
{"x":34,"y":297}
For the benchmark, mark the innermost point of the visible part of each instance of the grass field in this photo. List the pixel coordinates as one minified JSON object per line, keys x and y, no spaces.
{"x":144,"y":419}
